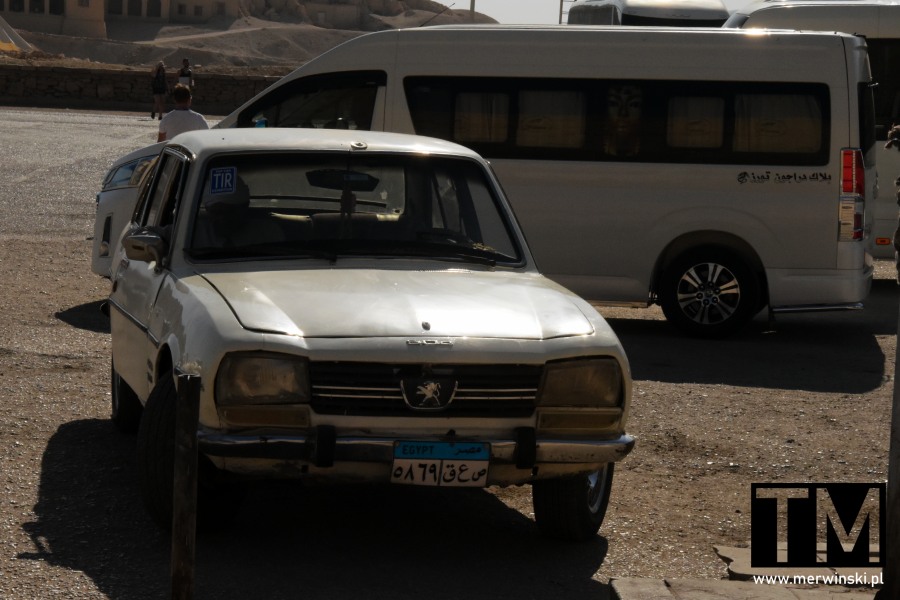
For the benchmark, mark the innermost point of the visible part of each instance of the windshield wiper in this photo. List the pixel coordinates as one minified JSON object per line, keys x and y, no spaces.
{"x":436,"y":250}
{"x":330,"y":249}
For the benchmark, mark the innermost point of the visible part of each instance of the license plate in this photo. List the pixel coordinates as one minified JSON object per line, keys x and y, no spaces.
{"x":447,"y":464}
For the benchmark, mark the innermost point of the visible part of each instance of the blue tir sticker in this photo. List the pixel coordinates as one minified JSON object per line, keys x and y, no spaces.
{"x":223,"y":180}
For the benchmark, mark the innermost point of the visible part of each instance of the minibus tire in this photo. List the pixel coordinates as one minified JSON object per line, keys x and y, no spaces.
{"x":707,"y":281}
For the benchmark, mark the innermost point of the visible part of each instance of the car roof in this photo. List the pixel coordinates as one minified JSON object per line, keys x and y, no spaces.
{"x":216,"y":141}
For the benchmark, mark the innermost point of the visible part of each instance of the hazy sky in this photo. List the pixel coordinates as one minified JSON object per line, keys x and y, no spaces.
{"x":514,"y":11}
{"x":531,"y":11}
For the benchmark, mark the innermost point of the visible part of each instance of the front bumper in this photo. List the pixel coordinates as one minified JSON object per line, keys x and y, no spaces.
{"x":519,"y":460}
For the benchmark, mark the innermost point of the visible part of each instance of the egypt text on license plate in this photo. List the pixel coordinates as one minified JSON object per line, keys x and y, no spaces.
{"x":455,"y":464}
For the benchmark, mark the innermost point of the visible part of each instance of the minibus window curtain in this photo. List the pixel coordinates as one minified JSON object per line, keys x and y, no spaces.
{"x":777,"y":123}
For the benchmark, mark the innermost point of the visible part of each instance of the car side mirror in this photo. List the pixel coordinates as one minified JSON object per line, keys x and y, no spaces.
{"x":146,"y":246}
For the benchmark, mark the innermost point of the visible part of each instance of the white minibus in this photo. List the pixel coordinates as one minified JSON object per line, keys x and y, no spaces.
{"x":879,"y":22}
{"x":671,"y":13}
{"x":711,"y":171}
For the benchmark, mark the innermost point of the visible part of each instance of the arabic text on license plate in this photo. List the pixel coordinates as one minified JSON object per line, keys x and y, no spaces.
{"x":452,"y":464}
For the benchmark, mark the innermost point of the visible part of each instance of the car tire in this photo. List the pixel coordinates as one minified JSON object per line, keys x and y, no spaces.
{"x":572,"y":508}
{"x":126,"y":408}
{"x":217,"y":501}
{"x":709,"y":293}
{"x":155,"y":456}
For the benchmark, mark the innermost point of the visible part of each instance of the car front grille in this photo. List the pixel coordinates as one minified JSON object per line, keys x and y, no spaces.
{"x":367,"y":389}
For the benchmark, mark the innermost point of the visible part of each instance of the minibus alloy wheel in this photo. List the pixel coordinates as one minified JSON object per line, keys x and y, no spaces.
{"x":709,"y":293}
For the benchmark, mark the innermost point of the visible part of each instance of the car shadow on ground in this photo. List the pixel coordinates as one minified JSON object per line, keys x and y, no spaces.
{"x":289,"y":542}
{"x":824,"y":352}
{"x":87,"y":316}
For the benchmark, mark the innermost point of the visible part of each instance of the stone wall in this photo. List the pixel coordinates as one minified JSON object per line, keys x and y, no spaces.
{"x":118,"y":89}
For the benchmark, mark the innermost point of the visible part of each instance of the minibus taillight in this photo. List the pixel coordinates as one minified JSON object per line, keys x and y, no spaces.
{"x":853,"y":195}
{"x":853,"y":173}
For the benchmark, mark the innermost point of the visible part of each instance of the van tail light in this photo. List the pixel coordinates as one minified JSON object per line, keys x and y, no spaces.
{"x":853,"y":195}
{"x":853,"y":173}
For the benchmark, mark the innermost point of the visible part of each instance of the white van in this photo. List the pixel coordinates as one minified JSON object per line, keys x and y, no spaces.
{"x":671,"y":13}
{"x":879,"y":22}
{"x":711,"y":171}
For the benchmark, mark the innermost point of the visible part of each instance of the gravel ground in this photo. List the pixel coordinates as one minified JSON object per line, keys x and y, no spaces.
{"x":805,"y":400}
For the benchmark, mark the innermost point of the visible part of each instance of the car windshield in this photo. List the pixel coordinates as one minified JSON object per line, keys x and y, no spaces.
{"x":349,"y":204}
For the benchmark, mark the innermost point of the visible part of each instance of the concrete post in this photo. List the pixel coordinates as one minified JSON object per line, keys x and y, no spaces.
{"x":184,"y":497}
{"x":890,"y":546}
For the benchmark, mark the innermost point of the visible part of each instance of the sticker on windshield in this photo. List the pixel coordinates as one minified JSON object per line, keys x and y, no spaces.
{"x":223,"y":180}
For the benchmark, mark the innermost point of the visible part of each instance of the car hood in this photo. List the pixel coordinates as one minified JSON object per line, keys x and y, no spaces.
{"x":389,"y":303}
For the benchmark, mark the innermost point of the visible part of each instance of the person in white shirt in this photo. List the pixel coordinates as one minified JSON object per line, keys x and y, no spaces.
{"x":182,"y":118}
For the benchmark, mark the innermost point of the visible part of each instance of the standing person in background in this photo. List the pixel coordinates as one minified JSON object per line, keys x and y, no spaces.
{"x":185,"y":74}
{"x":182,"y":118}
{"x":160,"y":88}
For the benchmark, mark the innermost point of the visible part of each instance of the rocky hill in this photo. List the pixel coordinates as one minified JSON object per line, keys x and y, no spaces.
{"x":270,"y":44}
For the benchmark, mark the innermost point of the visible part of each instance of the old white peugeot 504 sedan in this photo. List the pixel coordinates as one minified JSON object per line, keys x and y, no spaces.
{"x":359,"y":307}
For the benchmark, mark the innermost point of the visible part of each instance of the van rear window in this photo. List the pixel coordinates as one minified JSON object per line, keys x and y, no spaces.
{"x":626,"y":120}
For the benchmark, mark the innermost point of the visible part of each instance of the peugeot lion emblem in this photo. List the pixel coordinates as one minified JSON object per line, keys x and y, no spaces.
{"x":428,"y":394}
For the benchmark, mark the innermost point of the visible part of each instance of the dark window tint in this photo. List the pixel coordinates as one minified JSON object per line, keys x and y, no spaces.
{"x":670,"y":22}
{"x":626,"y":120}
{"x":331,"y":101}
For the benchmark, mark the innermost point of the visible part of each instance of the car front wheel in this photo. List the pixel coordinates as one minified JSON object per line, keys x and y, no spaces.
{"x":126,"y":409}
{"x":217,"y":501}
{"x":572,"y":508}
{"x":156,"y":452}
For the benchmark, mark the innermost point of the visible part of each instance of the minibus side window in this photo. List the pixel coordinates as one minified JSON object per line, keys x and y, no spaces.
{"x":623,"y":117}
{"x":481,"y":117}
{"x":551,"y":119}
{"x":777,"y":123}
{"x":695,"y":122}
{"x":706,"y":122}
{"x":329,"y":101}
